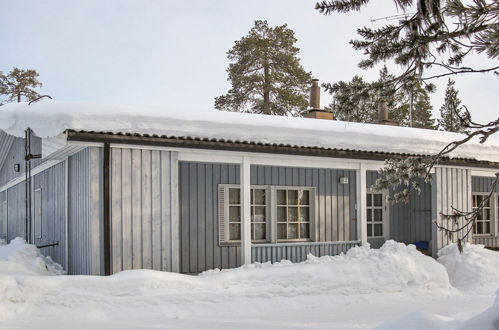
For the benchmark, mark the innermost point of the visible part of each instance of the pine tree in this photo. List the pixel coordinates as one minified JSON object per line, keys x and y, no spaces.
{"x":265,"y":73}
{"x":421,"y":107}
{"x":452,"y":113}
{"x":357,"y":101}
{"x":19,"y":83}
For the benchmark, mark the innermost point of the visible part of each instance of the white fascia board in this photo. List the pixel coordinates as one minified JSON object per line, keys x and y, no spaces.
{"x":269,"y":159}
{"x":483,"y":172}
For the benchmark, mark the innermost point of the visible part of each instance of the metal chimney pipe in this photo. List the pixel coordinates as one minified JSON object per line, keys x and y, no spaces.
{"x":382,"y":110}
{"x":315,"y":95}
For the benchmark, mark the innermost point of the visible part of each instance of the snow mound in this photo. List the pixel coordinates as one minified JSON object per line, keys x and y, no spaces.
{"x":19,"y":258}
{"x":394,"y":267}
{"x":475,"y":269}
{"x":487,"y":320}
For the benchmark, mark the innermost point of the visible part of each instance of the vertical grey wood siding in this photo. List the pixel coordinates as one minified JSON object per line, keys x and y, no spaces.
{"x":53,"y":224}
{"x":451,"y":187}
{"x":3,"y":215}
{"x":15,"y":155}
{"x":198,"y":184}
{"x":297,"y":252}
{"x":142,"y":230}
{"x":16,"y":211}
{"x":85,"y":212}
{"x":409,"y":222}
{"x":484,"y":184}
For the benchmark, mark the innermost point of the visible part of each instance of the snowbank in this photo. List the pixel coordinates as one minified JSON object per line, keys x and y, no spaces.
{"x":475,"y":269}
{"x":50,"y":118}
{"x":487,"y":320}
{"x":394,"y":267}
{"x":19,"y":258}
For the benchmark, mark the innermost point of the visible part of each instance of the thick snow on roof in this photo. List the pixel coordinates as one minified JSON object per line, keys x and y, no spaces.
{"x":50,"y":118}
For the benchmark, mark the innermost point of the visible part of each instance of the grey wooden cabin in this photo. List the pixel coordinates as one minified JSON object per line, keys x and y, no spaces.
{"x":106,"y":202}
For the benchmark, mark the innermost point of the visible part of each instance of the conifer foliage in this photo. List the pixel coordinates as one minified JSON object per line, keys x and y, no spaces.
{"x":453,"y":115}
{"x":357,"y":100}
{"x":266,"y":74}
{"x":19,"y":84}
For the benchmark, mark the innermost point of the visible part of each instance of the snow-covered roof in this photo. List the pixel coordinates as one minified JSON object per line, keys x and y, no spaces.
{"x":51,"y":118}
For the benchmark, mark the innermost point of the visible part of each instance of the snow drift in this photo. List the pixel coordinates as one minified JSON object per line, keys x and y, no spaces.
{"x":475,"y":269}
{"x":19,"y":258}
{"x":394,"y":267}
{"x":329,"y":291}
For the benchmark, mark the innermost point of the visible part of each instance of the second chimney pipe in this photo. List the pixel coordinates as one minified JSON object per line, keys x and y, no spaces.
{"x":315,"y":95}
{"x":382,"y":111}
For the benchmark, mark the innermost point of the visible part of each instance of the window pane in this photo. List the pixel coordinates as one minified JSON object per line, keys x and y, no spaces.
{"x":378,"y":200}
{"x":304,"y":198}
{"x":369,"y":230}
{"x":281,"y":214}
{"x":479,"y":227}
{"x":259,"y":214}
{"x":292,"y":230}
{"x":234,"y":214}
{"x":475,"y":201}
{"x":281,"y":197}
{"x":378,"y":215}
{"x":480,"y":215}
{"x":304,"y":230}
{"x":369,"y":200}
{"x":234,"y":197}
{"x":378,"y":230}
{"x":292,"y":197}
{"x":281,"y":231}
{"x":260,"y":196}
{"x":369,"y":215}
{"x":487,"y":203}
{"x":304,"y":214}
{"x":486,"y":214}
{"x":486,"y":227}
{"x":260,"y":231}
{"x":235,"y":231}
{"x":292,"y":214}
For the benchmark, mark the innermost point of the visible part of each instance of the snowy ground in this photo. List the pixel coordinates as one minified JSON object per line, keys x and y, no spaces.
{"x":394,"y":287}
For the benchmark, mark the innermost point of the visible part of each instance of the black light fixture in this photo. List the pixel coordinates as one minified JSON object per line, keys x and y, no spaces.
{"x":17,"y":167}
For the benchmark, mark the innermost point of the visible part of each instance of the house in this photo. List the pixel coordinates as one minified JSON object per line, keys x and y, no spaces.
{"x":121,"y":187}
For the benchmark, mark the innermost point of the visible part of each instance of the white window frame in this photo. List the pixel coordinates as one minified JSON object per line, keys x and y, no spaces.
{"x":312,"y":214}
{"x":493,"y":213}
{"x":385,"y":214}
{"x":38,"y":213}
{"x":224,"y":230}
{"x":271,"y":212}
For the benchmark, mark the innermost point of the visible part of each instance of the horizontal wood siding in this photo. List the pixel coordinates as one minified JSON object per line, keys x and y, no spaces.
{"x":409,"y":222}
{"x":141,"y":210}
{"x":53,"y":227}
{"x":198,"y":184}
{"x":297,"y":252}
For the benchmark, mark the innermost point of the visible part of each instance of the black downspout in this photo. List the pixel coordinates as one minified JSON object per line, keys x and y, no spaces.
{"x":107,"y":209}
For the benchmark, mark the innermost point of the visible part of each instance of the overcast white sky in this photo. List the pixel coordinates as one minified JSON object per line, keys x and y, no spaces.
{"x":173,"y":53}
